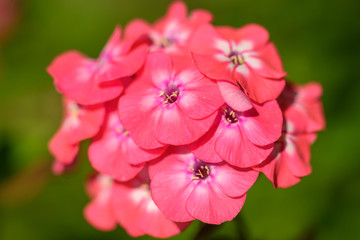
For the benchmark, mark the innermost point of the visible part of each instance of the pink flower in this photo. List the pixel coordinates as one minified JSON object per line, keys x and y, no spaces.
{"x":137,"y":213}
{"x":79,"y":123}
{"x":243,"y":56}
{"x":114,"y":153}
{"x":290,"y":159}
{"x":186,"y":188}
{"x":241,"y":138}
{"x":174,"y":30}
{"x":91,"y":81}
{"x":303,"y":113}
{"x":172,"y":33}
{"x":168,"y":104}
{"x":99,"y":212}
{"x":303,"y":105}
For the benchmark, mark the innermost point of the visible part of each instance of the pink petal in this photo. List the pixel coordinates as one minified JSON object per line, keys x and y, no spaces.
{"x":254,"y":33}
{"x":234,"y":96}
{"x":200,"y":98}
{"x":170,"y":190}
{"x":99,"y":212}
{"x":234,"y":147}
{"x":257,"y":35}
{"x":297,"y":154}
{"x":200,"y":16}
{"x":120,"y":146}
{"x":263,"y":69}
{"x":203,"y":41}
{"x":74,"y":76}
{"x":137,"y":115}
{"x":106,"y":156}
{"x":126,"y":65}
{"x":63,"y":151}
{"x":210,"y":205}
{"x":260,"y":89}
{"x":271,"y":57}
{"x":311,"y":91}
{"x":234,"y":182}
{"x":177,"y":10}
{"x":263,"y":126}
{"x":175,"y":158}
{"x":136,"y":32}
{"x":158,"y":69}
{"x":154,"y":223}
{"x":90,"y":119}
{"x":212,"y":68}
{"x":204,"y":148}
{"x":175,"y":128}
{"x":125,"y":202}
{"x":113,"y":41}
{"x":284,"y":177}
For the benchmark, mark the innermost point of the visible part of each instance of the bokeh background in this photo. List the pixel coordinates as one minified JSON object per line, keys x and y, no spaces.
{"x":318,"y":41}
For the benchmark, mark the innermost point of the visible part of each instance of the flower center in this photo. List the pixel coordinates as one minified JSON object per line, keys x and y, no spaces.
{"x":120,"y":131}
{"x":200,"y":171}
{"x":170,"y":94}
{"x":230,"y":115}
{"x":73,"y":110}
{"x":236,"y":58}
{"x":166,"y":42}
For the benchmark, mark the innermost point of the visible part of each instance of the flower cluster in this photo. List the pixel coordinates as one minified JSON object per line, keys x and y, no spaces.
{"x":182,"y":117}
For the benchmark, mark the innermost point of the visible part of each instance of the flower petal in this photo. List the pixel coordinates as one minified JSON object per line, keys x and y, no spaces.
{"x":210,"y":205}
{"x":234,"y":182}
{"x":154,"y":223}
{"x":258,"y":88}
{"x":200,"y":98}
{"x":212,"y":67}
{"x":234,"y":97}
{"x":204,"y":148}
{"x":264,"y":123}
{"x":234,"y":147}
{"x":75,"y":76}
{"x":175,"y":128}
{"x":99,"y":212}
{"x":170,"y":190}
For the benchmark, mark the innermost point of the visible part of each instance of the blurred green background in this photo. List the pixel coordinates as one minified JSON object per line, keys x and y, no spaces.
{"x":318,"y":41}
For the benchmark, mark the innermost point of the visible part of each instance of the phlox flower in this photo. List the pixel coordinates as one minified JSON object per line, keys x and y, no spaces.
{"x":242,"y":56}
{"x":79,"y":123}
{"x":186,"y":188}
{"x":114,"y":153}
{"x":303,"y":114}
{"x":168,"y":104}
{"x":91,"y":81}
{"x":99,"y":212}
{"x":172,"y":33}
{"x":290,"y":159}
{"x":136,"y":212}
{"x":241,"y":138}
